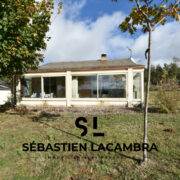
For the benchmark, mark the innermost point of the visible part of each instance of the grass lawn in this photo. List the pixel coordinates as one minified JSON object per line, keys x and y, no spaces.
{"x":16,"y":164}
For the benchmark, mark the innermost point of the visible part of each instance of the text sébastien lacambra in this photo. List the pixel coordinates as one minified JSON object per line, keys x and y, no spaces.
{"x":92,"y":147}
{"x":65,"y":146}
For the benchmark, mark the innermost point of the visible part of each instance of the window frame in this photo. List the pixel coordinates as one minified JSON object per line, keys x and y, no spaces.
{"x":81,"y":75}
{"x":97,"y":75}
{"x":141,"y":88}
{"x":93,"y":73}
{"x":54,"y":77}
{"x":110,"y":74}
{"x":25,"y":98}
{"x":42,"y":87}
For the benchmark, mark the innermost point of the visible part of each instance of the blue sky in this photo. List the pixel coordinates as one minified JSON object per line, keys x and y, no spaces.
{"x":95,"y":8}
{"x":87,"y":28}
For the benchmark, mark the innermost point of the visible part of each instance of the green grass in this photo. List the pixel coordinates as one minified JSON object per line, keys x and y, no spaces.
{"x":17,"y":129}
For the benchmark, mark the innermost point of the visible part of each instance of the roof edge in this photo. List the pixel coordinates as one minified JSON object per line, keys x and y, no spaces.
{"x":80,"y":70}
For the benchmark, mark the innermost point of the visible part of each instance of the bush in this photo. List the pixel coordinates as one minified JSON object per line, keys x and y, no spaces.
{"x":153,"y":88}
{"x":168,"y":97}
{"x":5,"y":107}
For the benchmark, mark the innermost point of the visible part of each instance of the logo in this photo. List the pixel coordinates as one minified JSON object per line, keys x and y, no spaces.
{"x":85,"y":130}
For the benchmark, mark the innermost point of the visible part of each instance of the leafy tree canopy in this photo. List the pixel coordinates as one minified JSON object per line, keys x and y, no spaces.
{"x":149,"y":13}
{"x":23,"y":28}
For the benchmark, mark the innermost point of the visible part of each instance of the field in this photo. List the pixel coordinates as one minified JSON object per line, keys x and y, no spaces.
{"x":16,"y":164}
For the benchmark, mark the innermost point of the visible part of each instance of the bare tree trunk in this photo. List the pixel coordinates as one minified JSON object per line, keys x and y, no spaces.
{"x":13,"y":90}
{"x":147,"y":94}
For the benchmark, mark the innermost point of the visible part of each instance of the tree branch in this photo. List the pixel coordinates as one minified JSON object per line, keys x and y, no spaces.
{"x":139,"y":7}
{"x":144,"y":14}
{"x":177,"y":2}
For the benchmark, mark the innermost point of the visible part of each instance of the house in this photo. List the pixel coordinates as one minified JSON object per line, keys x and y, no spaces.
{"x":81,"y":83}
{"x":5,"y":92}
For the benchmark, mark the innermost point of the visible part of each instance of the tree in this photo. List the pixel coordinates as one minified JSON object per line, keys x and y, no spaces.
{"x":23,"y":28}
{"x":158,"y":71}
{"x":158,"y":74}
{"x":153,"y":75}
{"x":148,"y":15}
{"x":173,"y":70}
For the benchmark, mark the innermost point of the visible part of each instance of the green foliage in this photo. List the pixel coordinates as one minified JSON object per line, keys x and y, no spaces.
{"x":148,"y":14}
{"x":157,"y":73}
{"x":173,"y":71}
{"x":23,"y":28}
{"x":168,"y":95}
{"x":5,"y":80}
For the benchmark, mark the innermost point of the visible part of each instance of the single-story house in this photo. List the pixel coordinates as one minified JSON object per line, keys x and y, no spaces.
{"x":81,"y":83}
{"x":5,"y":92}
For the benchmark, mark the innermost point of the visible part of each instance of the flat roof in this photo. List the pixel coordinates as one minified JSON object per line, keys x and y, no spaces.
{"x":88,"y":65}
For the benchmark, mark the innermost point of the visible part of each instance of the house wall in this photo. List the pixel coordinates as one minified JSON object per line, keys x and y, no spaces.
{"x":4,"y":96}
{"x":69,"y":101}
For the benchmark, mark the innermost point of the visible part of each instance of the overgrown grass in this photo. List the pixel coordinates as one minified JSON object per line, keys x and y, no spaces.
{"x":163,"y":130}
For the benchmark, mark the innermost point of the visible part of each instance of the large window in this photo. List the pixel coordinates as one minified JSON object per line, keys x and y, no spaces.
{"x":89,"y":86}
{"x":31,"y":87}
{"x":137,"y":85}
{"x":112,"y":86}
{"x":54,"y":87}
{"x":84,"y":86}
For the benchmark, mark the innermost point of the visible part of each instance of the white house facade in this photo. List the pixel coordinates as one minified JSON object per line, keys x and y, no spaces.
{"x":5,"y":93}
{"x":84,"y":83}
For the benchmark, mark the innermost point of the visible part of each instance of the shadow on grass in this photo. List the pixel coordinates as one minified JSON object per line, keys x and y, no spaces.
{"x":49,"y":117}
{"x":52,"y":117}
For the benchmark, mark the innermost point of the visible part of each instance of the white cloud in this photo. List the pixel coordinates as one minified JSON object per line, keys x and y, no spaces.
{"x":76,"y":39}
{"x":165,"y":43}
{"x":72,"y":9}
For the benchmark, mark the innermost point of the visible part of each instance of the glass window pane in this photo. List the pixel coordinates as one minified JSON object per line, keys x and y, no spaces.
{"x":84,"y":86}
{"x":54,"y":87}
{"x":31,"y":87}
{"x":112,"y":86}
{"x":137,"y":85}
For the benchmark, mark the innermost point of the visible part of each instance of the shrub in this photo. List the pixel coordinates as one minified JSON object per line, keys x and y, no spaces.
{"x":168,"y":98}
{"x":5,"y":107}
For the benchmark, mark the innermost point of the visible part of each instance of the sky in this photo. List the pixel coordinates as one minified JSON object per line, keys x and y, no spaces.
{"x":87,"y":28}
